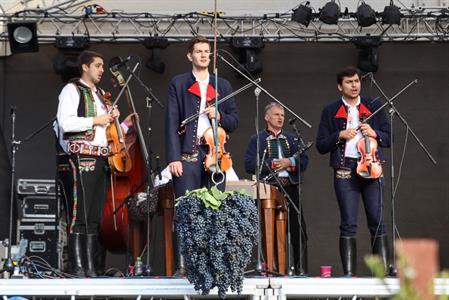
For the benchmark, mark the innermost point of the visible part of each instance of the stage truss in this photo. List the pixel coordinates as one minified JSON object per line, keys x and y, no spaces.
{"x":428,"y":25}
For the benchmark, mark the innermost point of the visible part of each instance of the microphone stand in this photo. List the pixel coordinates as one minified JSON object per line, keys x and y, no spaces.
{"x":8,"y":265}
{"x":259,"y":88}
{"x":149,"y":165}
{"x":146,"y":152}
{"x":259,"y":266}
{"x":263,"y":90}
{"x":392,"y":111}
{"x":302,"y":148}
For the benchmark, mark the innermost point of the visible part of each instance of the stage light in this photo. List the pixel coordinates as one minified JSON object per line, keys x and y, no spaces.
{"x":330,"y":13}
{"x":391,"y":14}
{"x":65,"y":63}
{"x":155,"y":44}
{"x":248,"y":48}
{"x":366,"y":16}
{"x":23,"y":37}
{"x":303,"y":14}
{"x":78,"y":43}
{"x":368,"y":59}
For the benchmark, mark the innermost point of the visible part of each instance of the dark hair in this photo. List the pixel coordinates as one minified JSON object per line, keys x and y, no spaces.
{"x":86,"y":58}
{"x":347,"y":72}
{"x":196,"y":40}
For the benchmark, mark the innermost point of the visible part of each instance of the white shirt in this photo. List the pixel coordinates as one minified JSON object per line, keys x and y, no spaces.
{"x":68,"y":120}
{"x":352,"y":122}
{"x":203,"y":119}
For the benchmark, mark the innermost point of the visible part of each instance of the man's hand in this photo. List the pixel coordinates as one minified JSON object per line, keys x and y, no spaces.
{"x":129,"y":120}
{"x":367,"y":130}
{"x":103,"y":119}
{"x":347,"y":134}
{"x":281,"y":164}
{"x":210,"y":111}
{"x":175,"y":168}
{"x":115,"y":112}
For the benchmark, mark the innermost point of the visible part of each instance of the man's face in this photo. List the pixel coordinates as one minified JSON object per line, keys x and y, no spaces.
{"x":93,"y":72}
{"x":350,"y":87}
{"x":275,"y":118}
{"x":200,"y":56}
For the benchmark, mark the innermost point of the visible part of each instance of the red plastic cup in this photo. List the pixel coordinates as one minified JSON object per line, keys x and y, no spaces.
{"x":326,"y":271}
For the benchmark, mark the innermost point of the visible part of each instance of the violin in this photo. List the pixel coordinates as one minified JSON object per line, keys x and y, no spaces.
{"x":369,"y":166}
{"x":214,"y":152}
{"x":119,"y":159}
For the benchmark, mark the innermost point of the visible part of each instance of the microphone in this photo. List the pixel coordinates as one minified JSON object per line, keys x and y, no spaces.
{"x":262,"y":162}
{"x":158,"y":168}
{"x":211,"y":55}
{"x":117,"y":62}
{"x":291,"y":121}
{"x":369,"y":75}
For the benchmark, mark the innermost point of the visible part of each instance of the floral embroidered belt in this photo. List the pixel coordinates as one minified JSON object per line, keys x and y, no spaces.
{"x":81,"y":148}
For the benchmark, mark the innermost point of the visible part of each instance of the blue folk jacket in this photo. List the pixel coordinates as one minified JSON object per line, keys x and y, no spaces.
{"x":334,"y":119}
{"x":183,"y":100}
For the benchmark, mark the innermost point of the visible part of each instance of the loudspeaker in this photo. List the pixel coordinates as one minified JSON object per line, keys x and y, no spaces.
{"x":23,"y":37}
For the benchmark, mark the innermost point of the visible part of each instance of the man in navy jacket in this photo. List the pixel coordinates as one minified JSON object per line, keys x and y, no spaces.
{"x":340,"y":130}
{"x":188,"y":94}
{"x":279,"y":150}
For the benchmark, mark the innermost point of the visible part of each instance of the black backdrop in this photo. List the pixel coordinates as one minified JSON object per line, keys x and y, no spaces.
{"x":302,"y":75}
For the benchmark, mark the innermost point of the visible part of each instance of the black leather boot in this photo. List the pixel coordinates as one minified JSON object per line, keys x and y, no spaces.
{"x":91,"y":251}
{"x":100,"y":258}
{"x":180,"y":269}
{"x":76,"y":253}
{"x":348,"y":254}
{"x":380,"y":247}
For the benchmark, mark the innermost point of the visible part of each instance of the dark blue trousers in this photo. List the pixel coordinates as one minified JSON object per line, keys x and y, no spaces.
{"x":348,"y":188}
{"x":194,"y":176}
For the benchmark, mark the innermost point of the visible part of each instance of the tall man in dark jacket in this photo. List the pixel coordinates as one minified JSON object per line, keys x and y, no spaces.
{"x":188,"y":94}
{"x":339,"y":132}
{"x":279,"y":149}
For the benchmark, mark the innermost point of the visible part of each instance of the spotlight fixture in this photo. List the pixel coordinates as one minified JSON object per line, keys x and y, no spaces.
{"x":155,"y":44}
{"x":366,"y":16}
{"x":65,"y":63}
{"x":391,"y":14}
{"x":303,"y":14}
{"x":248,"y":48}
{"x":78,"y":43}
{"x":330,"y":13}
{"x":368,"y":59}
{"x":23,"y":37}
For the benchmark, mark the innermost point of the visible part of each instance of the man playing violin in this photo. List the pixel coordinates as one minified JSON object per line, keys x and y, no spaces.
{"x":188,"y":94}
{"x":82,"y":117}
{"x":279,"y":149}
{"x":341,"y":129}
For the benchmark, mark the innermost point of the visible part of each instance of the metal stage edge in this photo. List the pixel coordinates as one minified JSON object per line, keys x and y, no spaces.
{"x":254,"y":288}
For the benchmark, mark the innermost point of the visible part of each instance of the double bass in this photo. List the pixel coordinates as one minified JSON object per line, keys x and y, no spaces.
{"x":120,"y":234}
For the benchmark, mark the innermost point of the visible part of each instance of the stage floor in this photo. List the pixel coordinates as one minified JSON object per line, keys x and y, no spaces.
{"x":255,"y":288}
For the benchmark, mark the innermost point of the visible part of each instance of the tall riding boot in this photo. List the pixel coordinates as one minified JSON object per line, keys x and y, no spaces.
{"x":91,"y":249}
{"x":180,"y":269}
{"x":380,"y":247}
{"x":348,"y":254}
{"x":76,"y":254}
{"x":100,"y":258}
